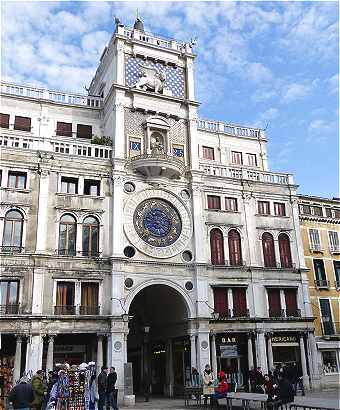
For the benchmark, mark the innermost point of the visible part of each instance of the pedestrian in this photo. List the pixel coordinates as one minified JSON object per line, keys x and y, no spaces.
{"x":195,"y":377}
{"x":208,"y":383}
{"x":285,"y":390}
{"x":252,"y":377}
{"x":21,"y":396}
{"x":93,"y":393}
{"x":270,"y":388}
{"x":111,"y":389}
{"x":39,"y":390}
{"x":259,"y":381}
{"x":222,"y":388}
{"x":146,"y":386}
{"x":102,"y":387}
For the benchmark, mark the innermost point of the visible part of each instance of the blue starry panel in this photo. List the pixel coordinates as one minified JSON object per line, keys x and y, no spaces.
{"x":178,"y":152}
{"x":135,"y":146}
{"x":174,"y":77}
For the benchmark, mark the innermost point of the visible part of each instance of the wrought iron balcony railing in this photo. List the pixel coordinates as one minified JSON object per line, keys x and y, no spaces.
{"x":293,"y":313}
{"x":64,"y":310}
{"x":329,"y":327}
{"x":11,"y":249}
{"x":10,"y":309}
{"x":337,"y":284}
{"x":240,"y":313}
{"x":321,"y":283}
{"x":88,"y":310}
{"x":274,"y":313}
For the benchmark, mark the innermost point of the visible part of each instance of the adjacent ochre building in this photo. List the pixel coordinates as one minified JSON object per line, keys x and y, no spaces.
{"x":320,"y":230}
{"x":133,"y":231}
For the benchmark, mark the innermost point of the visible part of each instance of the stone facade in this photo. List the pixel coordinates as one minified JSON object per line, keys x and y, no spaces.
{"x":91,"y":286}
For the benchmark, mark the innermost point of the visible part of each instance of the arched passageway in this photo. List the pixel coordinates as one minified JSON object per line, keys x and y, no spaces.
{"x":158,"y":342}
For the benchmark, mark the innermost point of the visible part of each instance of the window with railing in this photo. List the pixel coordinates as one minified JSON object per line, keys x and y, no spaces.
{"x":320,"y":274}
{"x":336,"y":265}
{"x":9,"y":297}
{"x":328,"y":212}
{"x":67,"y":235}
{"x":326,"y":317}
{"x":290,"y":295}
{"x":239,"y":302}
{"x":314,"y":240}
{"x":317,"y":210}
{"x":65,"y":299}
{"x":230,"y":302}
{"x":4,"y":120}
{"x":306,"y":209}
{"x":89,"y":298}
{"x":333,"y":237}
{"x":274,"y":302}
{"x":214,"y":202}
{"x":17,"y":179}
{"x":329,"y":361}
{"x":22,"y":123}
{"x":13,"y":229}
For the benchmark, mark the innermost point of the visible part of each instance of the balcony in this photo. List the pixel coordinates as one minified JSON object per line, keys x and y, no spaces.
{"x":293,"y":313}
{"x":12,"y":309}
{"x":276,"y":314}
{"x":89,"y":310}
{"x":227,"y":264}
{"x":158,"y":164}
{"x":11,"y":249}
{"x":64,"y":310}
{"x":330,"y":328}
{"x":322,"y":284}
{"x":278,"y":265}
{"x":232,"y":314}
{"x":316,"y":247}
{"x":246,"y":174}
{"x":337,"y":284}
{"x":334,"y":249}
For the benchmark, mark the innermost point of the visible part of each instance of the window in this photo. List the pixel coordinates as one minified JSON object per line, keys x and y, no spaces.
{"x":9,"y":297}
{"x":314,"y":240}
{"x":285,"y":253}
{"x":328,"y":212}
{"x":208,"y":153}
{"x":268,"y":250}
{"x":333,"y":241}
{"x":216,"y":247}
{"x":306,"y":209}
{"x":329,"y":361}
{"x":239,"y":302}
{"x":67,"y":235}
{"x":89,"y":298}
{"x":12,"y":236}
{"x":64,"y":129}
{"x":317,"y":210}
{"x":65,"y":298}
{"x":336,"y":265}
{"x":291,"y":302}
{"x":90,"y":236}
{"x":252,"y":161}
{"x":69,"y":185}
{"x":236,"y":158}
{"x":214,"y":202}
{"x":22,"y":123}
{"x":326,"y":317}
{"x":4,"y":120}
{"x":17,"y":179}
{"x":91,"y":187}
{"x":84,"y":131}
{"x":279,"y":209}
{"x":337,"y":213}
{"x":234,"y":243}
{"x":221,"y":301}
{"x":274,"y":302}
{"x":320,"y":273}
{"x":263,"y":208}
{"x":231,"y":204}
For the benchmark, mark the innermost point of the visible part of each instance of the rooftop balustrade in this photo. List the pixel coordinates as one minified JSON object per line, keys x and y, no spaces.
{"x":55,"y":96}
{"x":230,"y":129}
{"x":150,"y":38}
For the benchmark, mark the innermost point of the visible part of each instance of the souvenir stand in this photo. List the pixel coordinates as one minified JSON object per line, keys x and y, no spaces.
{"x":6,"y":379}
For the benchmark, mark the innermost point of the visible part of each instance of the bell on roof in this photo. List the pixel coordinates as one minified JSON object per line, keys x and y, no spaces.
{"x":138,"y":24}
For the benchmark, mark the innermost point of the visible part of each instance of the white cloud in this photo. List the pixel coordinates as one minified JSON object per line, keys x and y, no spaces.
{"x":333,"y":84}
{"x":295,"y":92}
{"x":257,"y":73}
{"x":270,"y":114}
{"x":320,"y":130}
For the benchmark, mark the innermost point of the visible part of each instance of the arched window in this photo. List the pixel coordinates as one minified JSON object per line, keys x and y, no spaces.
{"x":216,"y":247}
{"x":12,"y":237}
{"x":235,"y":252}
{"x":268,"y":250}
{"x":90,"y":236}
{"x":285,"y":254}
{"x":67,"y":235}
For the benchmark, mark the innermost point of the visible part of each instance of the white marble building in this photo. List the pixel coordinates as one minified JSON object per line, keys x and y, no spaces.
{"x":134,"y":231}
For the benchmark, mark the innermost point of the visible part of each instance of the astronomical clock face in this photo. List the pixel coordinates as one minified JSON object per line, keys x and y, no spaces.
{"x":157,"y":223}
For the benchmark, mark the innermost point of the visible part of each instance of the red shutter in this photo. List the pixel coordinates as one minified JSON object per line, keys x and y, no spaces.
{"x":291,"y":302}
{"x":274,"y":302}
{"x":214,"y":202}
{"x":4,"y":120}
{"x":234,"y":243}
{"x":268,"y":250}
{"x":64,"y":129}
{"x":285,"y":254}
{"x":239,"y":302}
{"x":220,"y":300}
{"x":22,"y":123}
{"x":84,"y":131}
{"x":216,"y":247}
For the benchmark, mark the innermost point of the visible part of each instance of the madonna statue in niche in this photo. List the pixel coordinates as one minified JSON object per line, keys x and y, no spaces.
{"x":157,"y":146}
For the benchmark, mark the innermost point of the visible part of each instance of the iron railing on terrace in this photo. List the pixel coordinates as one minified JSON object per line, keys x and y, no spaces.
{"x":88,"y":310}
{"x":55,"y":96}
{"x":321,"y":283}
{"x":11,"y":249}
{"x":233,"y":314}
{"x":10,"y":309}
{"x":64,"y":310}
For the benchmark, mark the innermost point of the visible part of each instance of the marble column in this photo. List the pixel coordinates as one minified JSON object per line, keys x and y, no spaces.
{"x":305,"y":376}
{"x":270,"y":352}
{"x":250,"y":351}
{"x":314,"y":365}
{"x":261,"y":353}
{"x":99,"y":353}
{"x":170,"y":369}
{"x":193,"y":355}
{"x":17,"y":359}
{"x":34,"y":353}
{"x":50,"y":348}
{"x":213,"y":354}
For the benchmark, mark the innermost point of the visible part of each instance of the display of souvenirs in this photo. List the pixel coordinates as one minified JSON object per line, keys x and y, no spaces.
{"x":6,"y":378}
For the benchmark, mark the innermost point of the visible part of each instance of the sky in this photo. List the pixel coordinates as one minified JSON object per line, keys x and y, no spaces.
{"x":267,"y":64}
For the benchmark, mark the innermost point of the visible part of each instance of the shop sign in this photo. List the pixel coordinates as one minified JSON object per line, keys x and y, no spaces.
{"x":228,"y":339}
{"x":284,"y":339}
{"x":69,"y":348}
{"x":228,"y":351}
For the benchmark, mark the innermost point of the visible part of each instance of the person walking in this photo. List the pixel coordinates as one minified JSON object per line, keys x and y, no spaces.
{"x":93,"y":393}
{"x":102,"y":387}
{"x":21,"y":396}
{"x":111,"y":389}
{"x":195,"y":377}
{"x":208,"y":383}
{"x":222,"y":388}
{"x":285,"y":390}
{"x":39,"y":390}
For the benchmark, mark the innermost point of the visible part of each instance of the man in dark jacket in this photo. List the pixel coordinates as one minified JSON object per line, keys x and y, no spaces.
{"x":102,"y":388}
{"x":111,"y":389}
{"x":21,"y":396}
{"x":286,"y":391}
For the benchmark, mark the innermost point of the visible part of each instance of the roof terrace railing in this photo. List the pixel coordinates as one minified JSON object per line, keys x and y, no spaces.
{"x":230,"y":129}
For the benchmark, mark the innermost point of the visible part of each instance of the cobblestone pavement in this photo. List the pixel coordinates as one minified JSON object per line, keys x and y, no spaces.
{"x":178,"y":404}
